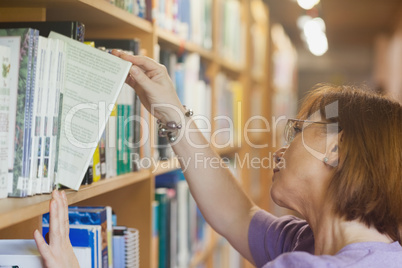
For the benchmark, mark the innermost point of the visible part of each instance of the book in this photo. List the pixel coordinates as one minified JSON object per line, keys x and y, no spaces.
{"x":5,"y":64}
{"x":20,"y":253}
{"x":34,"y":182}
{"x":132,"y":45}
{"x":132,"y":241}
{"x":119,"y":247}
{"x":96,"y":166}
{"x":56,"y":66}
{"x":102,"y":155}
{"x":84,"y":239}
{"x":162,"y":199}
{"x":72,"y":29}
{"x":92,"y":216}
{"x":111,"y":141}
{"x":21,"y":41}
{"x":155,"y":235}
{"x":109,"y":228}
{"x":92,"y":81}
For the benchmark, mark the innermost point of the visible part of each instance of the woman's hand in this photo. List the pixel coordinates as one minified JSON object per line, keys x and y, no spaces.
{"x":59,"y":252}
{"x":154,"y":87}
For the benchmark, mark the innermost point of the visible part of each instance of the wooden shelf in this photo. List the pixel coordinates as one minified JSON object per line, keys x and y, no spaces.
{"x":171,"y":40}
{"x":16,"y":210}
{"x":231,"y":67}
{"x":258,"y":78}
{"x":166,"y":166}
{"x":101,"y":18}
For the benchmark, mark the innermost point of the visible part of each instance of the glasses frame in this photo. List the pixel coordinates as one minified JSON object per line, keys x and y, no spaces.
{"x":290,"y":127}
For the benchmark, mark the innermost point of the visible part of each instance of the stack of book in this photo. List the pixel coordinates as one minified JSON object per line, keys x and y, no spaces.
{"x":231,"y":31}
{"x":181,"y":228}
{"x":96,"y":242}
{"x":56,"y":97}
{"x":228,"y":96}
{"x":136,"y":7}
{"x":190,"y":20}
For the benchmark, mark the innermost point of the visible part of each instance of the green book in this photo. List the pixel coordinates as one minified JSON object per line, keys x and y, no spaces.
{"x":21,"y":42}
{"x":162,"y":198}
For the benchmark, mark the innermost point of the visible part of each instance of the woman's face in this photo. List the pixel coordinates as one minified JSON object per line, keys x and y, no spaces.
{"x":301,"y":177}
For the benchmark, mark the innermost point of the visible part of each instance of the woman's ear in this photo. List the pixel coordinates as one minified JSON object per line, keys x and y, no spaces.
{"x":332,"y":155}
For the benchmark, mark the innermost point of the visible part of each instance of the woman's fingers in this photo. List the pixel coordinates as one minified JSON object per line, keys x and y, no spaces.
{"x":141,"y":78}
{"x":54,"y":224}
{"x":43,"y":247}
{"x":65,"y":210}
{"x":147,"y":64}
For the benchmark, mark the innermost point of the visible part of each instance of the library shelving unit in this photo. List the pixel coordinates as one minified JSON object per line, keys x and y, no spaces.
{"x":131,"y":195}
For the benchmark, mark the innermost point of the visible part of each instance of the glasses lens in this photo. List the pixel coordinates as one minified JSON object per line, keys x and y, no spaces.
{"x":289,"y":131}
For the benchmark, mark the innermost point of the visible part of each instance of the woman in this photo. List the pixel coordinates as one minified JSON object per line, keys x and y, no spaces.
{"x":341,"y":171}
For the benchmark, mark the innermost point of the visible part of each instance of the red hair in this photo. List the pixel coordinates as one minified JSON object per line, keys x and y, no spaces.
{"x":367,"y":182}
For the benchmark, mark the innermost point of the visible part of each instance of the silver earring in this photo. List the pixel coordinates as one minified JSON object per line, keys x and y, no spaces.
{"x":326,"y":159}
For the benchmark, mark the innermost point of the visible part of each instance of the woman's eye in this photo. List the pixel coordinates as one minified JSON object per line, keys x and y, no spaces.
{"x":297,"y":129}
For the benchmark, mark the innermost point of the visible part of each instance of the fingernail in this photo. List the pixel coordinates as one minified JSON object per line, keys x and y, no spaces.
{"x":63,"y":194}
{"x":134,"y":70}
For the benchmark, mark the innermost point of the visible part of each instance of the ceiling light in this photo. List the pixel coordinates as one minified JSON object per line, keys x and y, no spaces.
{"x":318,"y":44}
{"x":307,"y":4}
{"x":302,"y":20}
{"x":314,"y":26}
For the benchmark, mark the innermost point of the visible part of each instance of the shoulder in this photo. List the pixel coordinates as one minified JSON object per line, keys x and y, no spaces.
{"x":270,"y":236}
{"x":301,"y":259}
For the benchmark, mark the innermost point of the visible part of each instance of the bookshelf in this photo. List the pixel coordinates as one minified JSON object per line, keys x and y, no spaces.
{"x":131,"y":194}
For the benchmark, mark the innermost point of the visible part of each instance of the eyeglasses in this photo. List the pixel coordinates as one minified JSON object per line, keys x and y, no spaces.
{"x":295,"y":126}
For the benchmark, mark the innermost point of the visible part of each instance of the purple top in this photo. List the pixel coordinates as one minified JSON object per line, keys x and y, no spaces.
{"x":288,"y":242}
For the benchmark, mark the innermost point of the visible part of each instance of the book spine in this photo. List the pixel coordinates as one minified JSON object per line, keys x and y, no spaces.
{"x":37,"y":117}
{"x":17,"y":176}
{"x":120,"y":138}
{"x":47,"y":172}
{"x":111,"y":155}
{"x":35,"y":121}
{"x":27,"y":111}
{"x":79,"y":31}
{"x":96,"y":165}
{"x":162,"y":199}
{"x":29,"y":181}
{"x":5,"y":61}
{"x":55,"y":113}
{"x":102,"y":154}
{"x":126,"y":138}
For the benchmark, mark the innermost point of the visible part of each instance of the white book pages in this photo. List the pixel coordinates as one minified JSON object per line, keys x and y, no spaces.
{"x":92,"y":81}
{"x":19,"y":253}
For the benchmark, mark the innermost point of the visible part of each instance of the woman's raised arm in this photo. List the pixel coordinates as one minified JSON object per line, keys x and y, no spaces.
{"x":220,"y":198}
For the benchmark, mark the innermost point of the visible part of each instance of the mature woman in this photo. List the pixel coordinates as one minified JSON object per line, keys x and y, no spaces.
{"x":341,"y":171}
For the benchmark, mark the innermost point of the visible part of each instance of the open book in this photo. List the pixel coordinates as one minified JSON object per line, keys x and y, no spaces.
{"x":92,"y":80}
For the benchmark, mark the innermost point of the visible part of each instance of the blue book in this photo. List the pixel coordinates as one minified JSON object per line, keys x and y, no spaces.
{"x":83,"y":236}
{"x":168,"y":180}
{"x":119,"y":247}
{"x":95,"y":216}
